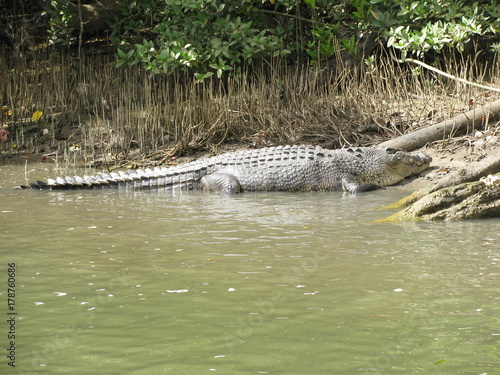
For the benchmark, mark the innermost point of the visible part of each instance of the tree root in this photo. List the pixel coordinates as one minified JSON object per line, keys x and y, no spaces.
{"x":470,"y":200}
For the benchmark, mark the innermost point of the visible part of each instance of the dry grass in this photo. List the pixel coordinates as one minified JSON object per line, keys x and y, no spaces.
{"x":93,"y":109}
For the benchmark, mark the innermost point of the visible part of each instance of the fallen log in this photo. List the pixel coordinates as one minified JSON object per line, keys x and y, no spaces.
{"x":458,"y":125}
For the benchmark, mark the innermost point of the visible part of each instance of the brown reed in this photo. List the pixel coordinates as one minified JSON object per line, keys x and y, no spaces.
{"x":94,"y":109}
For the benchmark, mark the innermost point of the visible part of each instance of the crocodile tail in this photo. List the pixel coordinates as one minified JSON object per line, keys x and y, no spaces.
{"x":35,"y":185}
{"x":97,"y":181}
{"x":164,"y":178}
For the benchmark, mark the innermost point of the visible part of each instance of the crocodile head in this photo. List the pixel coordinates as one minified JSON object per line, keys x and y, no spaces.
{"x":406,"y":163}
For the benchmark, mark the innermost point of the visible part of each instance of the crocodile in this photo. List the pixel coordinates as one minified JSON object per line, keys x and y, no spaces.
{"x":281,"y":168}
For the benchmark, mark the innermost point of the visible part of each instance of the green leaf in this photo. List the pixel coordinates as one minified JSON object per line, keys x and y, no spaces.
{"x":311,"y":3}
{"x":121,"y":53}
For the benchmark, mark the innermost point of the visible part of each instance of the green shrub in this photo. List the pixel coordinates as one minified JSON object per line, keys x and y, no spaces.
{"x":207,"y":37}
{"x":60,"y":31}
{"x":217,"y":37}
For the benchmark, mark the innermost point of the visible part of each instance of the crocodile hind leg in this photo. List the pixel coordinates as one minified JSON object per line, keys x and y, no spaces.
{"x":223,"y":182}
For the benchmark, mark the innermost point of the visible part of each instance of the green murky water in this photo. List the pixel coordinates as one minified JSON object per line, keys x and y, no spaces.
{"x":112,"y":282}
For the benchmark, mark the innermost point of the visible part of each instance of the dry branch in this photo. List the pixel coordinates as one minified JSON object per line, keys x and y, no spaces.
{"x":448,"y":75}
{"x":458,"y":125}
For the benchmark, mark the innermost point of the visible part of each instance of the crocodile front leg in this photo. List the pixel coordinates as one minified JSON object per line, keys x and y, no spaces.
{"x":352,"y":186}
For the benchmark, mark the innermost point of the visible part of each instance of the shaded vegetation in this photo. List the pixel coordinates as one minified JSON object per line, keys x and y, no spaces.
{"x":218,"y":37}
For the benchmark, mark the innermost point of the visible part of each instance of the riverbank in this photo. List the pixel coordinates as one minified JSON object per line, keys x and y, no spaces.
{"x":449,"y":156}
{"x":100,"y":116}
{"x":455,"y":161}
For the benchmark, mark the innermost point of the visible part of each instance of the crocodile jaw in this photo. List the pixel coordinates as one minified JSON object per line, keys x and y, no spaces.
{"x":411,"y":163}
